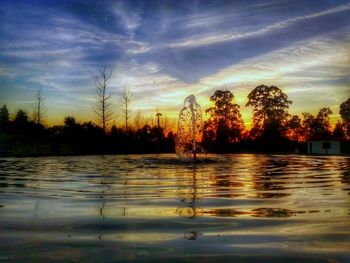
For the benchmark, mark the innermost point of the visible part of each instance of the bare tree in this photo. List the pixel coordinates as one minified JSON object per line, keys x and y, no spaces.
{"x":39,"y":107}
{"x":103,"y":108}
{"x":150,"y":120}
{"x":125,"y":105}
{"x":168,"y":124}
{"x":138,"y":120}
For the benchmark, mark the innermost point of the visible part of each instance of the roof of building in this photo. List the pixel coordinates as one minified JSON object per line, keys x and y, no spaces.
{"x":324,"y":137}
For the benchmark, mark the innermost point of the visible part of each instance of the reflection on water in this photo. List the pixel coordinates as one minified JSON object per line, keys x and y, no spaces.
{"x":156,"y":208}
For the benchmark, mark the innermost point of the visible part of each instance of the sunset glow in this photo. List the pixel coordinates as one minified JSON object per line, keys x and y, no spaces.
{"x":165,"y":51}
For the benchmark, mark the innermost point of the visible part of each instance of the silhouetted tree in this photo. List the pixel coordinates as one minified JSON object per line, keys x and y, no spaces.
{"x":170,"y":142}
{"x":145,"y":134}
{"x":21,"y":117}
{"x":69,"y":121}
{"x":270,"y":110}
{"x":71,"y":130}
{"x":338,"y":130}
{"x":167,"y":124}
{"x":4,"y":118}
{"x":294,"y":128}
{"x":138,"y":120}
{"x":91,"y":138}
{"x":308,"y":124}
{"x":323,"y":124}
{"x":21,"y":124}
{"x":225,"y":121}
{"x":125,"y":105}
{"x":317,"y":125}
{"x":344,"y":112}
{"x":103,"y":108}
{"x":40,"y":110}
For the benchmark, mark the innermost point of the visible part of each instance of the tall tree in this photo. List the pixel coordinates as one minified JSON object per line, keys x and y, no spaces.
{"x":138,"y":120}
{"x":168,"y":124}
{"x":308,"y":124}
{"x":72,"y":131}
{"x":40,"y":110}
{"x":294,"y":128}
{"x":103,"y":108}
{"x":21,"y":117}
{"x":225,"y":121}
{"x":344,"y":112}
{"x":4,"y":118}
{"x":125,"y":105}
{"x":270,"y":108}
{"x":339,"y":131}
{"x":20,"y":124}
{"x":319,"y":124}
{"x":323,"y":123}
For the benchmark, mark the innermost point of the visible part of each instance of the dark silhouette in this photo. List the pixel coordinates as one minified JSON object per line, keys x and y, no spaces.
{"x":225,"y":124}
{"x":294,"y":128}
{"x":138,"y":120}
{"x":4,"y":119}
{"x":319,"y":125}
{"x":270,"y":117}
{"x":344,"y":112}
{"x":339,"y":130}
{"x":125,"y":101}
{"x":270,"y":111}
{"x":273,"y":130}
{"x":103,"y":107}
{"x":40,"y":110}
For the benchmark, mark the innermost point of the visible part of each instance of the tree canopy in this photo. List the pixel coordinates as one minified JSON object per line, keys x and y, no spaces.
{"x":21,"y":117}
{"x":4,"y":116}
{"x":317,"y":125}
{"x":225,"y":121}
{"x":270,"y":107}
{"x":344,"y":110}
{"x":294,"y":128}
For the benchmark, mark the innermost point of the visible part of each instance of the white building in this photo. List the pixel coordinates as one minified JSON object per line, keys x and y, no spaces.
{"x":325,"y":145}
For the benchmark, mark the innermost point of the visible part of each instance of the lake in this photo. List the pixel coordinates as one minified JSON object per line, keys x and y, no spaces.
{"x":155,"y":208}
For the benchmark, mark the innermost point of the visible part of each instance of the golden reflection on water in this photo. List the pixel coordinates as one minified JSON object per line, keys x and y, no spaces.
{"x":285,"y":202}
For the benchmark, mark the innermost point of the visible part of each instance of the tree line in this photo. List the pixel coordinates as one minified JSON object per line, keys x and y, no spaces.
{"x":273,"y":128}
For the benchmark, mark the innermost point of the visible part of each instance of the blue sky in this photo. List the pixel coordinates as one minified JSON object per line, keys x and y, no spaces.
{"x":167,"y":50}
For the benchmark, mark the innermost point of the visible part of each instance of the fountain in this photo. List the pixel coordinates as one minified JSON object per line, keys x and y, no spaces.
{"x":189,"y":131}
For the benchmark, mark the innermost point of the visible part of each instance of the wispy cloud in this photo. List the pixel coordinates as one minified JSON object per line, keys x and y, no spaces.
{"x":128,"y":16}
{"x":66,"y":37}
{"x":165,"y":52}
{"x":304,"y":71}
{"x":305,"y":55}
{"x":229,"y":35}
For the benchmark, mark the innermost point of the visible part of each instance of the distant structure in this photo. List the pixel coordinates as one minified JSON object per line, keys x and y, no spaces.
{"x":323,"y":144}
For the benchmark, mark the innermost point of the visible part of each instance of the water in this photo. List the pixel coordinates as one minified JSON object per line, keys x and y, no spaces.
{"x":233,"y":208}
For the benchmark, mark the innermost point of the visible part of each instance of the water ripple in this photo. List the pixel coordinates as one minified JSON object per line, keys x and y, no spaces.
{"x":261,"y":205}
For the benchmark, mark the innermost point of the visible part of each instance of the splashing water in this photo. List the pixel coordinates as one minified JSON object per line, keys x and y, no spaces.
{"x":189,"y":131}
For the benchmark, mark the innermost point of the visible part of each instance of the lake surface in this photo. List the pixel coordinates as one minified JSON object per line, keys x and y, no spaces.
{"x":155,"y":208}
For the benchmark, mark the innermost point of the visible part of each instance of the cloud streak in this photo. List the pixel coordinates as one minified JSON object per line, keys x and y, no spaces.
{"x":165,"y":52}
{"x":212,"y":38}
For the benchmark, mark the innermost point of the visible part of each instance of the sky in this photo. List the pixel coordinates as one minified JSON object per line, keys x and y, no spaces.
{"x":166,"y":50}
